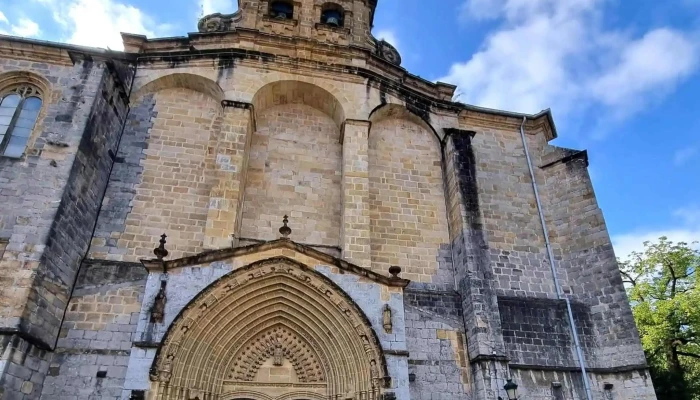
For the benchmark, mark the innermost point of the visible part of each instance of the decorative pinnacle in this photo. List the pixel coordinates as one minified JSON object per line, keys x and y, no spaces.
{"x":394,"y":270}
{"x":160,"y":251}
{"x":285,"y":231}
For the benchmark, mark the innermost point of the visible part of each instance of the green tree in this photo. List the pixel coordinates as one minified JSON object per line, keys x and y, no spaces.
{"x":662,"y":287}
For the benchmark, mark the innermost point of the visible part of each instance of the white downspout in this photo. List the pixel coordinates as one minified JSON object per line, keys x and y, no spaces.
{"x":550,"y":255}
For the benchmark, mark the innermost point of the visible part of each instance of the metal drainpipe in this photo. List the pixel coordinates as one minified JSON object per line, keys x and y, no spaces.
{"x":550,"y":255}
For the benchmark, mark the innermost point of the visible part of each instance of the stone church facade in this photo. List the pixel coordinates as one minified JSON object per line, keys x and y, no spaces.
{"x":432,"y":249}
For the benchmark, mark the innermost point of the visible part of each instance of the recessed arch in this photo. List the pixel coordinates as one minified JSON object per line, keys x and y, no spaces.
{"x":189,"y":81}
{"x":291,"y":91}
{"x":398,"y":111}
{"x":400,"y":140}
{"x":14,"y":78}
{"x":245,"y":315}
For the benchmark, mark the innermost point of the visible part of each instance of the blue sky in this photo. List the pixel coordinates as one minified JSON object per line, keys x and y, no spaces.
{"x":622,"y":78}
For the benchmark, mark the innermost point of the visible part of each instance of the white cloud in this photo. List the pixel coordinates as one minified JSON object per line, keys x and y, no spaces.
{"x":217,"y":6}
{"x":690,"y":215}
{"x":389,"y":36}
{"x":684,"y":155}
{"x":686,"y":230}
{"x":625,"y":244}
{"x":659,"y":59}
{"x":26,"y":27}
{"x":556,"y":53}
{"x":98,"y":23}
{"x":3,"y":18}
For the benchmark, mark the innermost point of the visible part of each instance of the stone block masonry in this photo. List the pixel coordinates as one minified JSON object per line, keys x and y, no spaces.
{"x":295,"y":169}
{"x":407,"y":208}
{"x":87,"y":117}
{"x":97,"y":335}
{"x":436,"y":345}
{"x":56,"y":189}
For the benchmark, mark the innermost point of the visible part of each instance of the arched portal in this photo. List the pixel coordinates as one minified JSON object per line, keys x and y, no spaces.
{"x":275,"y":329}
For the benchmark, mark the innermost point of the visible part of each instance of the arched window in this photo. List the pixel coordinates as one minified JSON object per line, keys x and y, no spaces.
{"x":282,"y":10}
{"x":332,"y":15}
{"x":19,"y":109}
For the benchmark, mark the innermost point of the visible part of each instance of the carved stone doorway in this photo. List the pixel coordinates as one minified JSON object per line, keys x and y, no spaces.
{"x":274,"y":330}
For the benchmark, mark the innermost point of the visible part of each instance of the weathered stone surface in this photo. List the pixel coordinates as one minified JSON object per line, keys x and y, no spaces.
{"x":376,"y":168}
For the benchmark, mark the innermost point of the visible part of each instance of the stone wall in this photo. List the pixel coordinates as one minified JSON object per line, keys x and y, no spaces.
{"x":294,"y":168}
{"x":172,"y":196}
{"x":22,"y":368}
{"x":407,"y":202}
{"x":584,"y":251}
{"x":126,"y":176}
{"x":96,"y":338}
{"x":57,"y":189}
{"x":435,"y":340}
{"x":537,"y":332}
{"x":566,"y":385}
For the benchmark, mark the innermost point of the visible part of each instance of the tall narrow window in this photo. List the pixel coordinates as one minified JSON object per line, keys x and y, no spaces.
{"x":19,"y":109}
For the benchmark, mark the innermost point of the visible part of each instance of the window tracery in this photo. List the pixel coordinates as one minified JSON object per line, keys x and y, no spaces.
{"x":19,"y":110}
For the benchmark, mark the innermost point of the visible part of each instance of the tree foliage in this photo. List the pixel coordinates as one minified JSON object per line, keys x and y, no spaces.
{"x":662,"y":288}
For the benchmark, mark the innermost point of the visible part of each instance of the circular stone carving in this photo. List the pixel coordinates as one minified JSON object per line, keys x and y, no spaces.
{"x":389,"y":52}
{"x":217,"y":22}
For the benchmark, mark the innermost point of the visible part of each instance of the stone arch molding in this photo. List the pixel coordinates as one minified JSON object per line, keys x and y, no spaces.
{"x":184,"y":80}
{"x":272,"y":308}
{"x":296,"y":91}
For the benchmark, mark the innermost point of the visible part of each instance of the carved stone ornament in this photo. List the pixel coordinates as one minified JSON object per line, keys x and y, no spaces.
{"x":158,"y":309}
{"x":217,"y":22}
{"x":386,"y":318}
{"x":278,"y":356}
{"x":388,"y":52}
{"x":272,"y":311}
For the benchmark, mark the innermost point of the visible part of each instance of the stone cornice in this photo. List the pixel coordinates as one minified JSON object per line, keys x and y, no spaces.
{"x":251,"y":46}
{"x":598,"y":370}
{"x":154,"y":265}
{"x":497,"y":119}
{"x":298,"y":48}
{"x":54,"y":53}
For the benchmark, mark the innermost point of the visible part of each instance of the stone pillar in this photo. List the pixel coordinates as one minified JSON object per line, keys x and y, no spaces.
{"x":473,"y":270}
{"x":354,"y":236}
{"x":229,"y":151}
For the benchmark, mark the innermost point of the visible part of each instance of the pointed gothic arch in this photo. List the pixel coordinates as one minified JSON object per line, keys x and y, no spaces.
{"x":271,"y":310}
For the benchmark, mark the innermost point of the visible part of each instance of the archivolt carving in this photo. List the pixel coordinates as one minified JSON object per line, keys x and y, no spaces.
{"x":240,"y":321}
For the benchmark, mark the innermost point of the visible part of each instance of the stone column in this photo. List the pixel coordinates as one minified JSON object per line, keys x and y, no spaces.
{"x":229,"y":151}
{"x":354,"y":235}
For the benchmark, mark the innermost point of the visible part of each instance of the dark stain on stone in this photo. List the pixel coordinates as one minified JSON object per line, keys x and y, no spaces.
{"x":466,"y":169}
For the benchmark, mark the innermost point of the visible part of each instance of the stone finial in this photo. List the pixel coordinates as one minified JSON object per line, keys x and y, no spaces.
{"x":160,"y":251}
{"x":394,"y":270}
{"x":285,"y":231}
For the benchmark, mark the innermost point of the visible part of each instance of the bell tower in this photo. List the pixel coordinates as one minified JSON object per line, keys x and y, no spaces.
{"x":337,"y":22}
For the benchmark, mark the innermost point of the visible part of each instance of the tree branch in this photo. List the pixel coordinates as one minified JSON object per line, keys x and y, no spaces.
{"x":683,"y":353}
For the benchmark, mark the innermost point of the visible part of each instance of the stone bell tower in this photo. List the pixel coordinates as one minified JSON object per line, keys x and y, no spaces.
{"x":340,"y":22}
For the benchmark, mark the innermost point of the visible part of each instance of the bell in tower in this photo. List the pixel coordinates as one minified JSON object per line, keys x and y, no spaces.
{"x":332,"y":15}
{"x":281,"y":10}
